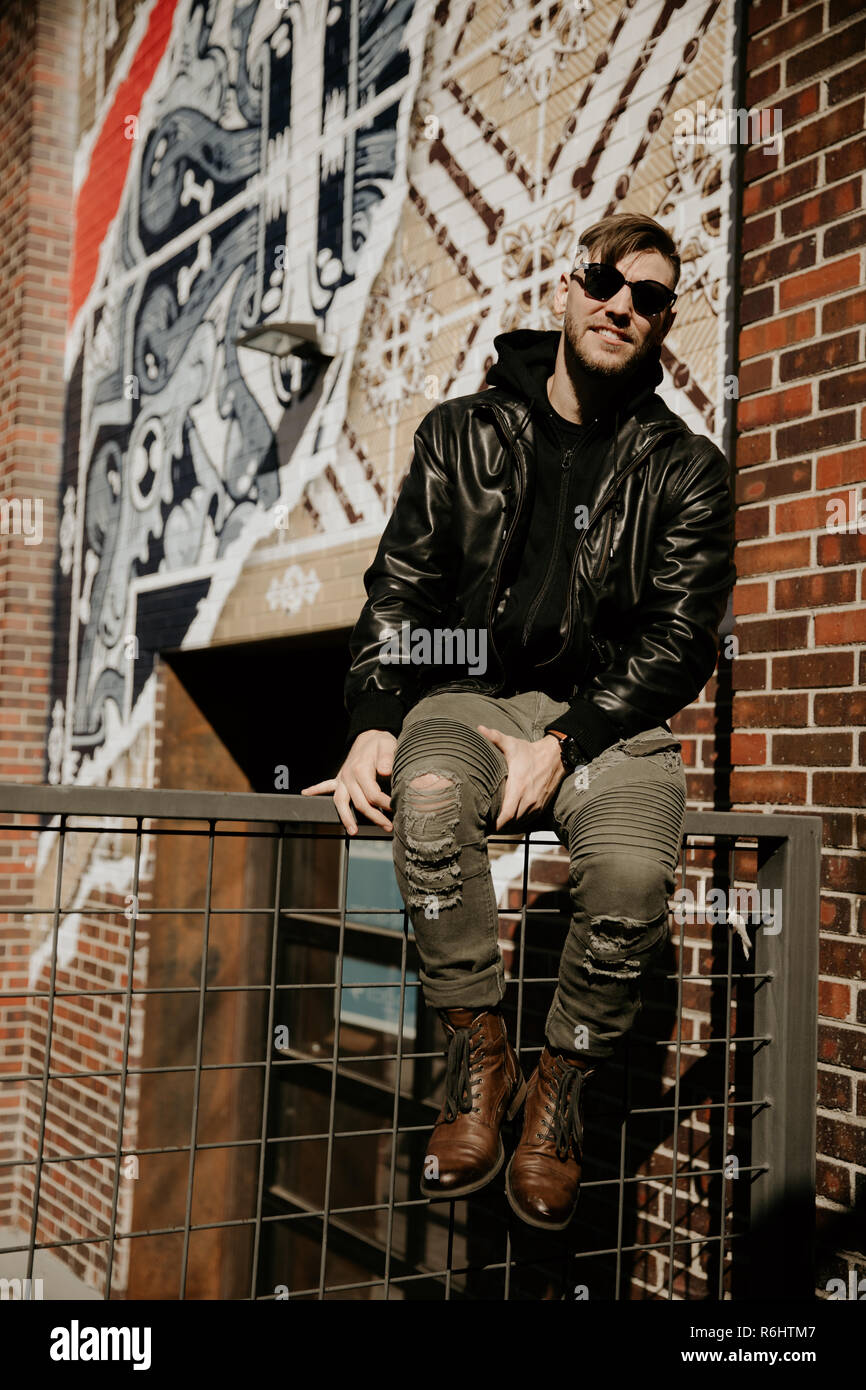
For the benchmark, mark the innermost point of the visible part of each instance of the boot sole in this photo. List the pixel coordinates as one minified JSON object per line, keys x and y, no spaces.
{"x":437,"y":1195}
{"x":534,"y":1220}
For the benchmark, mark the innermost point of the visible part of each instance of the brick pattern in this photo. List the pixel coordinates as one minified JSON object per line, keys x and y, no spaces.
{"x":87,"y":1034}
{"x":800,"y":614}
{"x":38,"y":93}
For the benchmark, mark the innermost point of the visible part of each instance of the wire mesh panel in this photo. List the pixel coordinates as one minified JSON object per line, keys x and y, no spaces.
{"x":218,"y":1074}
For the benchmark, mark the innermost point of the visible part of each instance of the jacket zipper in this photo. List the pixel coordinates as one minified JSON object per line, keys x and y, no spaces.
{"x":512,"y":445}
{"x":606,"y":547}
{"x":608,"y":496}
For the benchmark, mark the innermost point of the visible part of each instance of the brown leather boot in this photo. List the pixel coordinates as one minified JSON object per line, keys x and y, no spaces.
{"x":483,"y":1086}
{"x":543,"y":1177}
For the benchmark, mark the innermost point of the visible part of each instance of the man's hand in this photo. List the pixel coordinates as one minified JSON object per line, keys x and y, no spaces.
{"x":372,"y":753}
{"x":535,"y":771}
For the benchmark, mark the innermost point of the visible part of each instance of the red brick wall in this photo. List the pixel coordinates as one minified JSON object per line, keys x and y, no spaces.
{"x":38,"y":86}
{"x":799,"y":708}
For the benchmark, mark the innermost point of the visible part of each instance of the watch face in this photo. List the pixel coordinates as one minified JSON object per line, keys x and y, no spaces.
{"x":570,"y":753}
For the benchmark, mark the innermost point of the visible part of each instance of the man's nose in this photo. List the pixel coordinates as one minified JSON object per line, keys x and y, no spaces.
{"x":620,"y":303}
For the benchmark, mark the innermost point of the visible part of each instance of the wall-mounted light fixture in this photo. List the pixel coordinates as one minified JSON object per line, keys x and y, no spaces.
{"x":290,"y":339}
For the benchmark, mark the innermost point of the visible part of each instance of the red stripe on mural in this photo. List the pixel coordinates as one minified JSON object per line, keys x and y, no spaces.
{"x":99,"y":196}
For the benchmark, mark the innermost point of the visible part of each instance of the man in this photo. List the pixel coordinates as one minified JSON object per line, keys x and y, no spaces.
{"x":582,"y":534}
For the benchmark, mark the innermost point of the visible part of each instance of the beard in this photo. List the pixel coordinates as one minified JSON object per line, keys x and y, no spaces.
{"x":578,"y":361}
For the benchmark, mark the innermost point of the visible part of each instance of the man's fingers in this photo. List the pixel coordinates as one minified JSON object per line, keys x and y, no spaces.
{"x":371,"y":789}
{"x":507,"y":809}
{"x":360,"y":790}
{"x":373,"y":792}
{"x":341,"y":801}
{"x":514,"y":808}
{"x":509,"y":814}
{"x":495,"y":735}
{"x":362,"y":804}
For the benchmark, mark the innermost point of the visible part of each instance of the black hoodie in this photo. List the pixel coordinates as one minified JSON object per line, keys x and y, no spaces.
{"x":535,"y":589}
{"x":527,"y":618}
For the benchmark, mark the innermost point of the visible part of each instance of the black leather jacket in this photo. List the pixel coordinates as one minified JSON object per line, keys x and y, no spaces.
{"x":650,"y":579}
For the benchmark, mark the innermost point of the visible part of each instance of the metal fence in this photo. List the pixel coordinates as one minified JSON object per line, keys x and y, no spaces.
{"x":263,"y":1073}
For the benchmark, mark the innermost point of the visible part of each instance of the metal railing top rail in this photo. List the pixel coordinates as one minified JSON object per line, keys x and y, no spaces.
{"x":24,"y":798}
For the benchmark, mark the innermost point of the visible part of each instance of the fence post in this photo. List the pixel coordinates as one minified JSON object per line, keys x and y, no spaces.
{"x":782,"y":1222}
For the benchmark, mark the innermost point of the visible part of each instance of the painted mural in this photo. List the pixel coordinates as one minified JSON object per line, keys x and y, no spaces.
{"x":409,"y":179}
{"x":261,"y":184}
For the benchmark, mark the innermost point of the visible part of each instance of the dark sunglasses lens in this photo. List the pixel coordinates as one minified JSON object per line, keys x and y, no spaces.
{"x":602,"y":281}
{"x":649,"y":298}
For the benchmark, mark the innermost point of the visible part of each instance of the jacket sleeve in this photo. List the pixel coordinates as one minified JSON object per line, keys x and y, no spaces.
{"x":411,"y":578}
{"x":671,"y":649}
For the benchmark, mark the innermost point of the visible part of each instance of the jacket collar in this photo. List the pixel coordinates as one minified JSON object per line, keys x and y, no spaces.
{"x":527,"y":356}
{"x":648,"y":415}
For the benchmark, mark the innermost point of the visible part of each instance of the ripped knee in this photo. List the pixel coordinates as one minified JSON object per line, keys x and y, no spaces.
{"x":621,"y":948}
{"x":429,"y":811}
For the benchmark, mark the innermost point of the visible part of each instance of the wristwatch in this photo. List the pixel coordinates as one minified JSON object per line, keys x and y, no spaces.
{"x":569,"y":750}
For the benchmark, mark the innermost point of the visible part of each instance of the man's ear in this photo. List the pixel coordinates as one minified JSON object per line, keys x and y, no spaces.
{"x":561,"y":293}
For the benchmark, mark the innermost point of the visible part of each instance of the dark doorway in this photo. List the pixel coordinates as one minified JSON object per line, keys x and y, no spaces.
{"x":274,"y":705}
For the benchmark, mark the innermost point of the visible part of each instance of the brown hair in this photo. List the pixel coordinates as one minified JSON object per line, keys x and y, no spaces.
{"x":625,"y":232}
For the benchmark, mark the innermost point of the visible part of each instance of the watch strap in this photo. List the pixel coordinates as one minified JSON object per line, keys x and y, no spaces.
{"x":567,"y":742}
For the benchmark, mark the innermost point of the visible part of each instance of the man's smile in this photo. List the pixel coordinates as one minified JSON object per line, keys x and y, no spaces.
{"x":610,"y":335}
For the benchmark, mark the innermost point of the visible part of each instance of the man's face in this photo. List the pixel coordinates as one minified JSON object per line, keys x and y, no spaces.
{"x":608,"y":337}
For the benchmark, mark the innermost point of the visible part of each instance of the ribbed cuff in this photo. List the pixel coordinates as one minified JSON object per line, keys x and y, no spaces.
{"x":377,"y":709}
{"x":589,"y":726}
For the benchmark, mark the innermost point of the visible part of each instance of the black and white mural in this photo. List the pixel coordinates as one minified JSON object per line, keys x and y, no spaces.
{"x":266,"y":176}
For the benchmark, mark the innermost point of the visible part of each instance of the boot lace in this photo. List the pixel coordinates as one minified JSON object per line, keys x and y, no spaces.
{"x":567,"y":1112}
{"x":459,"y":1073}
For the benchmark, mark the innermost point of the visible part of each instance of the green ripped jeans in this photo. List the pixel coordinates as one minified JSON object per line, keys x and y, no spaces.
{"x":620,"y":817}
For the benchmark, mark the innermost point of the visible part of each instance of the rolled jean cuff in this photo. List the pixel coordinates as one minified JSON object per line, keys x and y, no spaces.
{"x":482,"y":989}
{"x":559,"y":1033}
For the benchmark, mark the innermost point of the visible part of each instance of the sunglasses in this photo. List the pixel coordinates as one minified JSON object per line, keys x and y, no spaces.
{"x":602,"y":281}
